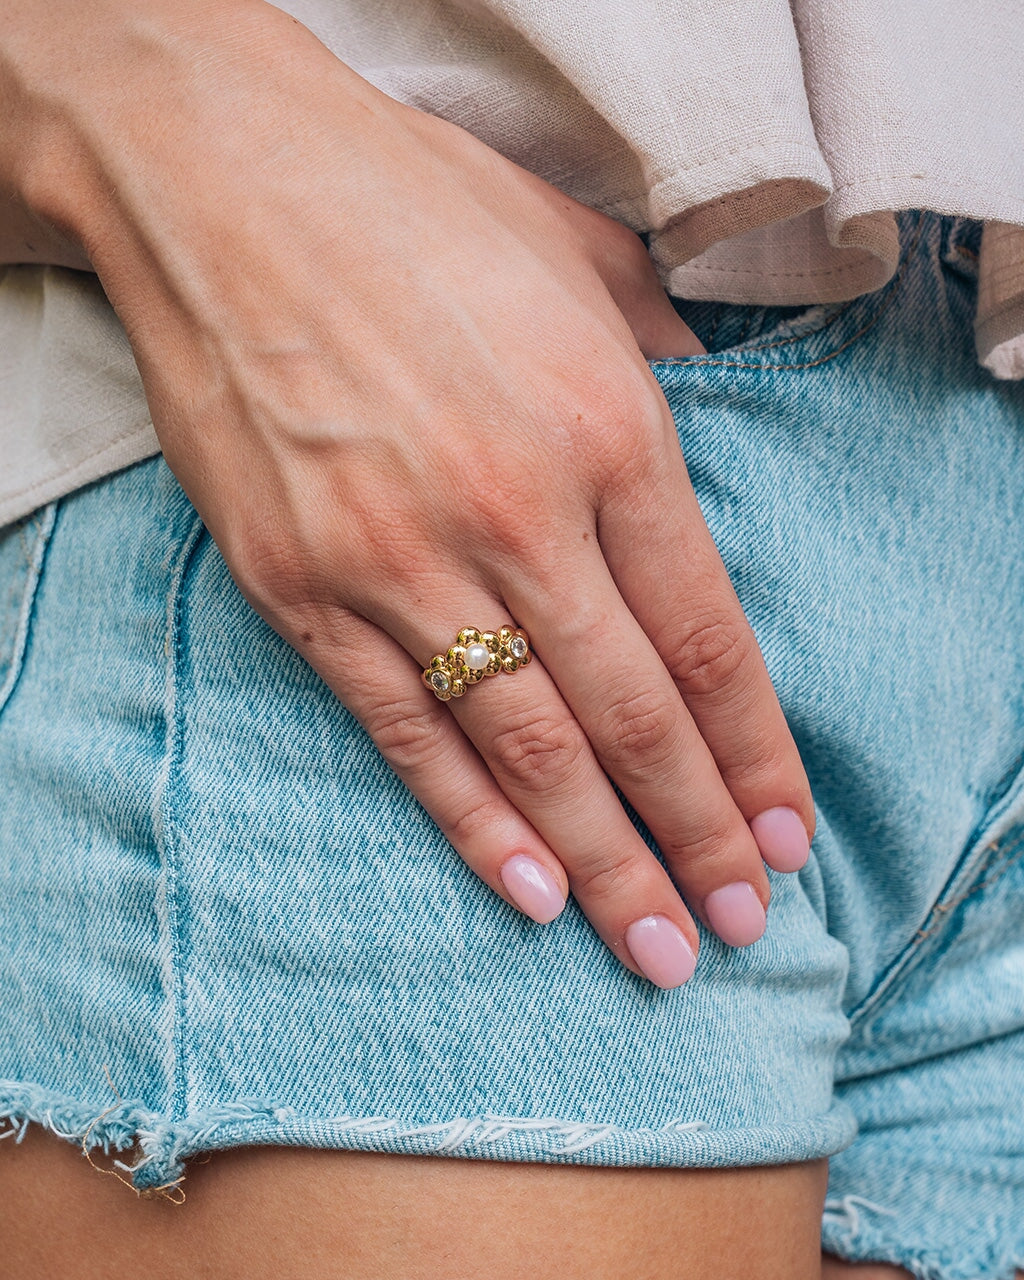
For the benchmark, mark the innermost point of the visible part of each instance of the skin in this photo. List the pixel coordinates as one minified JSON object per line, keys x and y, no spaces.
{"x":392,"y":431}
{"x":271,"y":1212}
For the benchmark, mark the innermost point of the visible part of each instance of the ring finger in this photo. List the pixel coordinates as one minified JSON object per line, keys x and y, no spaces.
{"x":424,"y":744}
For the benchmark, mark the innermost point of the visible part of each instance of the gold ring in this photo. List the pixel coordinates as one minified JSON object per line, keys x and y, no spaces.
{"x":476,"y":654}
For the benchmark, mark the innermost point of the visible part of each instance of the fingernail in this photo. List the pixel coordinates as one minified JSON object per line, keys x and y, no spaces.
{"x":661,"y":951}
{"x":532,"y":888}
{"x":782,"y":838}
{"x":736,"y":913}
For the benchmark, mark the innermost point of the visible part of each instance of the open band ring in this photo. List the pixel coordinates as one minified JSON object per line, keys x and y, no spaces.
{"x":476,"y":654}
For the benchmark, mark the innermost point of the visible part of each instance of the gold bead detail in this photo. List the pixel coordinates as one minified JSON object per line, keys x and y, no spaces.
{"x":474,"y":655}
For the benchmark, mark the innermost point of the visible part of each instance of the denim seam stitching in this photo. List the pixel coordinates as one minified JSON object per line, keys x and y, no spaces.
{"x":771,"y":345}
{"x":891,"y":292}
{"x":166,"y":829}
{"x":977,"y":861}
{"x":964,"y":881}
{"x":992,"y":871}
{"x":36,"y":561}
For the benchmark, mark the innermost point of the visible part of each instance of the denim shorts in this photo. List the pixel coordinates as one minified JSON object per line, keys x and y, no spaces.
{"x":223,"y":921}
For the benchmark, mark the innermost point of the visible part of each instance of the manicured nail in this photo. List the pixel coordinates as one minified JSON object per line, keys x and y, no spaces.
{"x":532,"y":888}
{"x":736,"y":913}
{"x":782,"y":838}
{"x":661,"y":951}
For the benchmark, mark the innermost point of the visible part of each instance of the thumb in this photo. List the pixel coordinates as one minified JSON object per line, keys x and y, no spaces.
{"x":661,"y":334}
{"x":629,"y":275}
{"x":631,"y":279}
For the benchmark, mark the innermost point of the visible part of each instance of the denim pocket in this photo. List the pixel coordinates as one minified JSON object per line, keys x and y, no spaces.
{"x":22,"y":553}
{"x":810,"y":337}
{"x":725,"y":326}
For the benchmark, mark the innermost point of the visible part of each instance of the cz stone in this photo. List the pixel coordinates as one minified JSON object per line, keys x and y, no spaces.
{"x":440,"y":681}
{"x":517,"y":647}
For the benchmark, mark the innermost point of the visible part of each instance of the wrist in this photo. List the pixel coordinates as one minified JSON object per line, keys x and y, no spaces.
{"x":84,"y":100}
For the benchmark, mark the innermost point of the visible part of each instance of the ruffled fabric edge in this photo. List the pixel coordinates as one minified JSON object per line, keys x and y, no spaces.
{"x":999,"y":325}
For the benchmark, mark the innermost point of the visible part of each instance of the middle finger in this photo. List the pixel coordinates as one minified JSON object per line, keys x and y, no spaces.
{"x":631,"y":711}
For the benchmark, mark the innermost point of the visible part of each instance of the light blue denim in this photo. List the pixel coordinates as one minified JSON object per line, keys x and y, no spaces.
{"x":223,"y":921}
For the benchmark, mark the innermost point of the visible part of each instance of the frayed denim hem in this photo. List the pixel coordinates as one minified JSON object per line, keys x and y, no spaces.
{"x":857,"y":1230}
{"x":161,"y":1146}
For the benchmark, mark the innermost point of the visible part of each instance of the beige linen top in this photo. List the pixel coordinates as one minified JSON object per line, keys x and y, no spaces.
{"x":765,"y":146}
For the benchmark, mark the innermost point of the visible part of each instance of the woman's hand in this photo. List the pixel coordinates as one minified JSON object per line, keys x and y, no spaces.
{"x":404,"y":384}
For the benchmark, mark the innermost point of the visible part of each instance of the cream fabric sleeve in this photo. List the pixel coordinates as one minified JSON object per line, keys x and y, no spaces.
{"x":762,"y":146}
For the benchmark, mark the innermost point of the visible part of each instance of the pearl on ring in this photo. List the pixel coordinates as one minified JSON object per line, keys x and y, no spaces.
{"x":477,"y":656}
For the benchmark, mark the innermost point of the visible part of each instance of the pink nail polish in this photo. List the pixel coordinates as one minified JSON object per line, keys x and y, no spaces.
{"x":736,"y":914}
{"x":661,"y":951}
{"x":532,"y":888}
{"x":782,"y":838}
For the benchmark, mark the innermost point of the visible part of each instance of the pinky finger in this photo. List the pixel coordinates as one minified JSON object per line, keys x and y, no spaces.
{"x":421,"y":741}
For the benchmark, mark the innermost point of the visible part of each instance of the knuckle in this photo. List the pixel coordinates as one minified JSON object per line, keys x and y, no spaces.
{"x":629,"y":404}
{"x":408,"y":732}
{"x":644,"y":735}
{"x":611,"y":879}
{"x":700,"y":854}
{"x":513,"y":530}
{"x":277,"y":559}
{"x":377,"y":533}
{"x":711,"y":655}
{"x":539,"y":754}
{"x":759,"y":763}
{"x":272,"y":574}
{"x":633,"y":247}
{"x":503,"y":508}
{"x":630,"y":433}
{"x":476,"y":822}
{"x":624,"y":247}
